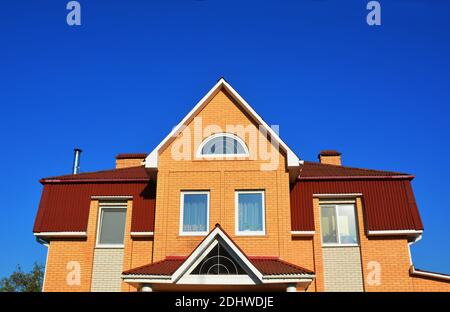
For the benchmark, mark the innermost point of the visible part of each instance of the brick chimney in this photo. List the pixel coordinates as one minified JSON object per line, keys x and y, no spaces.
{"x":330,"y":157}
{"x":130,"y":160}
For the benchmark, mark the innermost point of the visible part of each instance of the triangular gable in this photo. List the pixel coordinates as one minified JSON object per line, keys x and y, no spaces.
{"x":151,"y":161}
{"x":191,"y":271}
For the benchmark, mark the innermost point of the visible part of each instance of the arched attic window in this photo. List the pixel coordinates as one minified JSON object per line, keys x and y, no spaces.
{"x":222,"y":145}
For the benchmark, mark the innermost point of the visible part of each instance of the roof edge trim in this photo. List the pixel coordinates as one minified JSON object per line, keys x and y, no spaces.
{"x":399,"y":177}
{"x":151,"y":161}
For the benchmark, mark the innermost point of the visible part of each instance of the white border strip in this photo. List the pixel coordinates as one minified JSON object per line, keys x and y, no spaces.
{"x":60,"y":234}
{"x":151,"y":161}
{"x":338,"y":195}
{"x":107,"y":197}
{"x":396,"y":232}
{"x":303,"y":233}
{"x":142,"y":234}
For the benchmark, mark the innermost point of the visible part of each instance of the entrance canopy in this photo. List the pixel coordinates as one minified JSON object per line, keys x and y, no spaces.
{"x":217,"y":260}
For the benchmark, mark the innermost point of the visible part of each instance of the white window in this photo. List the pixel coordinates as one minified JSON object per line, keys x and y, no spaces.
{"x":111,"y":226}
{"x":250,"y":213}
{"x":222,"y":145}
{"x":338,"y":224}
{"x":194,"y":213}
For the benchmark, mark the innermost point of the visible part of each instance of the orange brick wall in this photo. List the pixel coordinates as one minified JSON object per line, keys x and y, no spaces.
{"x":63,"y":251}
{"x":222,"y":178}
{"x":429,"y":284}
{"x":137,"y":252}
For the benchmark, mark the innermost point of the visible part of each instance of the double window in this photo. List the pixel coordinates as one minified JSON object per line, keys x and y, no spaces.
{"x":111,"y":227}
{"x":250,"y":213}
{"x":338,"y":224}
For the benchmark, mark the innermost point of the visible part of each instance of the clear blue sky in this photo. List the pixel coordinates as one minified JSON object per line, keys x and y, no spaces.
{"x":119,"y":82}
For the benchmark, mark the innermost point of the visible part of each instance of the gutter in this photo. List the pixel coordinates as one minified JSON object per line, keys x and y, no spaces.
{"x":414,"y":271}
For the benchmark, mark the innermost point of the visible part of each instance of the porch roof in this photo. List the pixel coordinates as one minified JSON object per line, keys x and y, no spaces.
{"x":266,"y":265}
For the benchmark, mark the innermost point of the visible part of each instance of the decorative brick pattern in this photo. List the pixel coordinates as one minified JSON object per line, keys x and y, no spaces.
{"x":342,"y":269}
{"x":107,"y":270}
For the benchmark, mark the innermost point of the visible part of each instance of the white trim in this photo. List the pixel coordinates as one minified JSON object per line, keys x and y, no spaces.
{"x":303,"y":233}
{"x":331,"y":245}
{"x":228,"y":156}
{"x":343,"y":195}
{"x":236,"y":211}
{"x":101,"y":207}
{"x":429,"y":274}
{"x":396,"y":232}
{"x":108,"y":197}
{"x":297,"y":278}
{"x":338,"y":234}
{"x":60,"y":234}
{"x":147,"y":279}
{"x":198,"y":233}
{"x":199,"y":251}
{"x":217,"y":280}
{"x":141,"y":234}
{"x":151,"y":161}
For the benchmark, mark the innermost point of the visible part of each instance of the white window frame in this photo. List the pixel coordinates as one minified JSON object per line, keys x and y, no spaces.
{"x":101,"y":207}
{"x":198,"y":233}
{"x":222,"y":134}
{"x":338,"y":233}
{"x":236,"y":203}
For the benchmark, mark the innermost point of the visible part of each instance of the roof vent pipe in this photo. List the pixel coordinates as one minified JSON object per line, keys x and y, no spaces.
{"x":76,"y":161}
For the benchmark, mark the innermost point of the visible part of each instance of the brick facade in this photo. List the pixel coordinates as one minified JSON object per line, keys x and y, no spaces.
{"x":222,"y":178}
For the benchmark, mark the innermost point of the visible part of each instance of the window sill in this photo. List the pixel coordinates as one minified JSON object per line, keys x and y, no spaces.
{"x":257,"y":234}
{"x":202,"y":234}
{"x":109,"y":246}
{"x":339,"y":245}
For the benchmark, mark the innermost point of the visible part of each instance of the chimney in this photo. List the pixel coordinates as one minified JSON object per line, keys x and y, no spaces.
{"x":76,"y":161}
{"x":130,"y":160}
{"x":330,"y":157}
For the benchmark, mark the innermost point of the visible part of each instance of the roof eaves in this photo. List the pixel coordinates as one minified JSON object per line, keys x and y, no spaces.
{"x":361,"y":177}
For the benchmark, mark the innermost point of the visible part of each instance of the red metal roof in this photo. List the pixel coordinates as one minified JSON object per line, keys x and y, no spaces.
{"x":134,"y":174}
{"x":266,"y":265}
{"x":388,"y":204}
{"x":318,"y":171}
{"x":270,"y":266}
{"x":65,"y":200}
{"x":164,"y":267}
{"x":131,"y":156}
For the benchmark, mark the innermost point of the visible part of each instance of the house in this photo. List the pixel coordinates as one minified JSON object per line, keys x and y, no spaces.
{"x":222,"y":203}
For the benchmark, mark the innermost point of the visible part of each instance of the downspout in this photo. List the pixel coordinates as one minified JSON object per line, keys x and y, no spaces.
{"x":416,"y":239}
{"x":46,"y":244}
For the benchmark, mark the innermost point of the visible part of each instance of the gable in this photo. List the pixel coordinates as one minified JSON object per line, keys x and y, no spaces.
{"x":222,"y":95}
{"x":192,"y":269}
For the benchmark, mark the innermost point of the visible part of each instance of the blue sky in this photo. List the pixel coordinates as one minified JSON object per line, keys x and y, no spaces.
{"x":133,"y":69}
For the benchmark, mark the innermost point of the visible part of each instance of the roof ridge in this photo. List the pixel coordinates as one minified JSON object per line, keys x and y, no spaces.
{"x":318,"y":171}
{"x":355,"y":168}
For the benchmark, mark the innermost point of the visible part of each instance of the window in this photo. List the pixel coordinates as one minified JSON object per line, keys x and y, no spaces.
{"x":250,"y":213}
{"x":194,"y":218}
{"x":218,"y":262}
{"x":222,"y":145}
{"x":111,"y":228}
{"x":338,"y":224}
